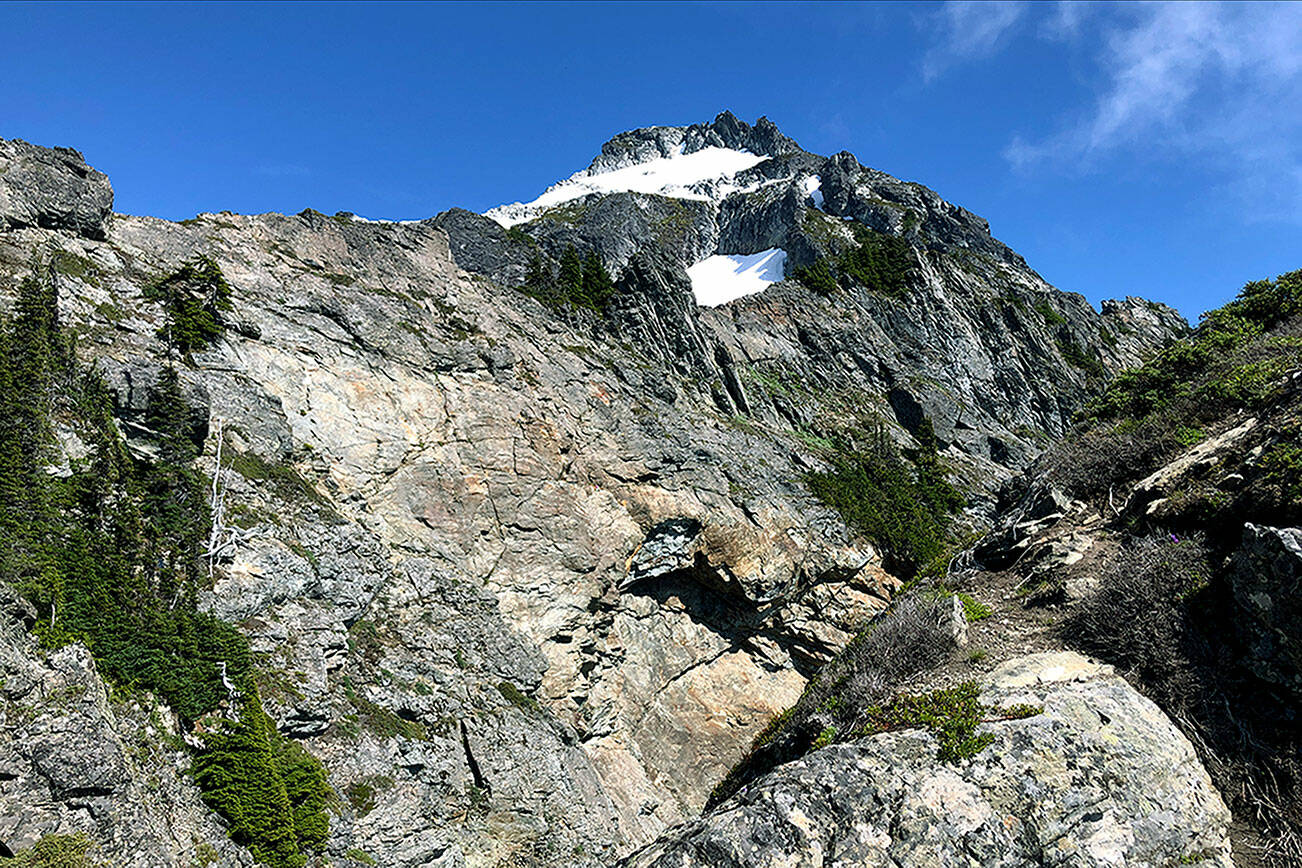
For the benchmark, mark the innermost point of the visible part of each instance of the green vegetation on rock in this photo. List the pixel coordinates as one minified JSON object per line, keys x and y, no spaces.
{"x":110,"y":552}
{"x":581,"y":282}
{"x":902,"y":503}
{"x":950,"y":715}
{"x":1175,"y":373}
{"x":193,"y":297}
{"x":54,"y":851}
{"x":818,"y":277}
{"x":877,"y":261}
{"x":973,"y":609}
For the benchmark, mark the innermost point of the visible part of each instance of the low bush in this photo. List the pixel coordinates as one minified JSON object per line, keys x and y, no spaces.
{"x":973,"y":609}
{"x":951,"y":715}
{"x":1164,"y":614}
{"x":902,"y":503}
{"x":1138,"y":619}
{"x":54,"y":851}
{"x":909,"y":637}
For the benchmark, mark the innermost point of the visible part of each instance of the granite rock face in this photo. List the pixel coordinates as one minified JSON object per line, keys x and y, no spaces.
{"x":528,"y":581}
{"x":1099,"y":778}
{"x":52,"y":188}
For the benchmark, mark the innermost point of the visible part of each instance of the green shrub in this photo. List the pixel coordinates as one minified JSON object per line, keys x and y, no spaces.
{"x":817,"y":277}
{"x":880,"y":262}
{"x":903,"y":506}
{"x":973,"y":609}
{"x":283,"y":478}
{"x":1077,"y":356}
{"x":513,"y":695}
{"x":1281,"y":466}
{"x":1051,"y":316}
{"x":951,"y":715}
{"x":54,"y":851}
{"x":1168,"y":378}
{"x":909,"y":637}
{"x":519,"y":236}
{"x":826,"y":737}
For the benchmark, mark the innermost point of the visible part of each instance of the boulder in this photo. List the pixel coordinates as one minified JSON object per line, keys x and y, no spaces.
{"x":1099,"y":777}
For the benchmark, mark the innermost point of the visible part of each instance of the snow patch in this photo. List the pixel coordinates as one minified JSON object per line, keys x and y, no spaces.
{"x":813,"y":189}
{"x":724,"y":278}
{"x":682,"y":176}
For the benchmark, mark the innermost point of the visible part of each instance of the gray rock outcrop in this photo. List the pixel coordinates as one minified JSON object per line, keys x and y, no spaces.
{"x":1100,"y":778}
{"x":1266,"y":576}
{"x":52,"y":188}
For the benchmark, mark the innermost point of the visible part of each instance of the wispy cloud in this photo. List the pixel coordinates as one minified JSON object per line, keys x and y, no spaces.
{"x":1067,"y":19}
{"x":968,"y":30}
{"x":1219,"y":83}
{"x":1216,"y":84}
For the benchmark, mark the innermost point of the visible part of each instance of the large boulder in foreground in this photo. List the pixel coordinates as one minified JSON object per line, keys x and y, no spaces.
{"x":52,"y":188}
{"x":1100,"y":777}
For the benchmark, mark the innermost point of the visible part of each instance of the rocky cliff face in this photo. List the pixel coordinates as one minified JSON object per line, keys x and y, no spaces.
{"x":528,"y":581}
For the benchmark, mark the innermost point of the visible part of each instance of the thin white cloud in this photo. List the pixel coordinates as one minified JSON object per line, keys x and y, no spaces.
{"x":1220,"y":83}
{"x":1067,"y":19}
{"x":968,"y":30}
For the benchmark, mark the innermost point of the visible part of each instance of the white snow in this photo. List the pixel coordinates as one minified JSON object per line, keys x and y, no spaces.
{"x":682,"y":176}
{"x":812,"y":186}
{"x":724,"y":278}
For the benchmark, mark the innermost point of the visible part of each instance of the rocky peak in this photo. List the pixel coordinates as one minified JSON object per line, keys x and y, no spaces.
{"x":52,"y":188}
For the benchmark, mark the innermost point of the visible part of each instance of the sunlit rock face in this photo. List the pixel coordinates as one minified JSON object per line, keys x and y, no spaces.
{"x":573,"y":553}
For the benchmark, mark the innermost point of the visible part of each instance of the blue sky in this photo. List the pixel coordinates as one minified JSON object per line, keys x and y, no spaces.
{"x":1135,"y":149}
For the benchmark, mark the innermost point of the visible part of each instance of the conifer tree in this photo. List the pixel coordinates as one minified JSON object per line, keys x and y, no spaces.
{"x":598,"y":287}
{"x":571,"y":275}
{"x":538,"y":279}
{"x":193,"y":298}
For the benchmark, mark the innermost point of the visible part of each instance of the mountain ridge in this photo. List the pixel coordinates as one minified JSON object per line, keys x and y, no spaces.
{"x":526,"y":576}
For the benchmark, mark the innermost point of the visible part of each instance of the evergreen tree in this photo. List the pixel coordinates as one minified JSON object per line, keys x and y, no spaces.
{"x":538,"y":280}
{"x":598,"y":287}
{"x":193,"y":298}
{"x":110,"y":552}
{"x":571,"y":275}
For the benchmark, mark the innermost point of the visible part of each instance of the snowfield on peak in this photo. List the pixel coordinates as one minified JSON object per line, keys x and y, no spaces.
{"x":726,"y":277}
{"x":812,"y":186}
{"x":683,"y":176}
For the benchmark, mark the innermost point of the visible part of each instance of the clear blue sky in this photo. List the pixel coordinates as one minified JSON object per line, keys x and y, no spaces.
{"x":1152,"y":150}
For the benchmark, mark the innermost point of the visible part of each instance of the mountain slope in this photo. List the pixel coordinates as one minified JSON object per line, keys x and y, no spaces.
{"x":1159,"y":536}
{"x":527,"y":576}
